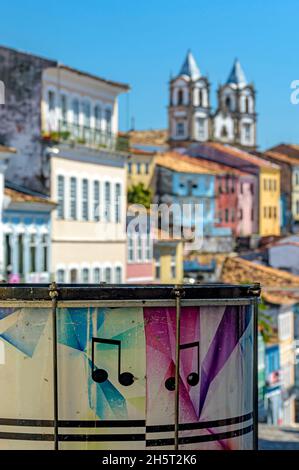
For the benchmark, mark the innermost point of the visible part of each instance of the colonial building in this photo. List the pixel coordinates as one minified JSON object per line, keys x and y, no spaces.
{"x":183,"y":181}
{"x":5,"y":155}
{"x":190,"y":116}
{"x":64,"y":123}
{"x":267,"y":181}
{"x":189,"y":105}
{"x":27,"y":235}
{"x":141,"y":167}
{"x":287,"y":157}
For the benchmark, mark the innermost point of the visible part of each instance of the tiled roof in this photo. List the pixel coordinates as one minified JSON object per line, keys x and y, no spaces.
{"x":23,"y":196}
{"x":280,"y":157}
{"x":150,"y":137}
{"x":136,"y":151}
{"x":290,"y":150}
{"x":215,"y":150}
{"x":275,"y":282}
{"x":124,"y":86}
{"x":184,"y":164}
{"x":5,"y":149}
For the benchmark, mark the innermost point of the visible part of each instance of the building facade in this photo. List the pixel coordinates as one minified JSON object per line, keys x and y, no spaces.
{"x":267,"y":181}
{"x":5,"y":155}
{"x":190,"y":118}
{"x":64,"y":122}
{"x":27,"y":235}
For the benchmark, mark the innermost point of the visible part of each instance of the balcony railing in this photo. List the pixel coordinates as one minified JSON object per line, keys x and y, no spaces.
{"x":89,"y":136}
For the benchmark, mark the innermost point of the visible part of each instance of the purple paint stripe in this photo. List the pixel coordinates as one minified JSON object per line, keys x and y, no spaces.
{"x":232,"y":326}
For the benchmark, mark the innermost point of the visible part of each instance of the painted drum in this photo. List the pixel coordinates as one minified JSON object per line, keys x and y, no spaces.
{"x":114,"y":374}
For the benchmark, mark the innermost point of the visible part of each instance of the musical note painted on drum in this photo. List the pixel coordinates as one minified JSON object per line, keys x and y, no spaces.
{"x":193,"y":377}
{"x":101,"y":375}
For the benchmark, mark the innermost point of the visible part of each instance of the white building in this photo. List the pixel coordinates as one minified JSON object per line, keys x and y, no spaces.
{"x":191,"y":119}
{"x":70,"y":150}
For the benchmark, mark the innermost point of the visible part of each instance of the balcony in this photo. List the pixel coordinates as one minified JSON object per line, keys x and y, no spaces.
{"x":75,"y":134}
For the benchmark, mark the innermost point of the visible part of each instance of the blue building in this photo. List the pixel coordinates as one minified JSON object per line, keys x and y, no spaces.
{"x":273,"y":397}
{"x":181,"y":181}
{"x":27,"y":235}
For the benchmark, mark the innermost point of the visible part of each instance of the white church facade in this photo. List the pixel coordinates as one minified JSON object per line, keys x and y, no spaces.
{"x":191,"y":119}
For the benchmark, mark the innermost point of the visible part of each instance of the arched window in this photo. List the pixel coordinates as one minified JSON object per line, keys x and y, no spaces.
{"x":200,"y":97}
{"x":228,"y":103}
{"x":97,"y":116}
{"x":180,"y":97}
{"x":75,"y":107}
{"x":246,"y":104}
{"x":224,"y":132}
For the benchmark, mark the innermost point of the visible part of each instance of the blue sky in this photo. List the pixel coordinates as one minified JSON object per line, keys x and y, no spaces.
{"x":142,"y":42}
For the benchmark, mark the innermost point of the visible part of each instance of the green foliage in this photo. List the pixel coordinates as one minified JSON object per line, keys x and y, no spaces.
{"x":265,"y":322}
{"x":138,"y":194}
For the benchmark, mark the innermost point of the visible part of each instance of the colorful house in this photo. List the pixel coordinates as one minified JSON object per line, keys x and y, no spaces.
{"x":168,"y":258}
{"x":268,"y":180}
{"x":184,"y":182}
{"x":287,"y":157}
{"x":141,"y":167}
{"x":140,"y":268}
{"x":27,"y":235}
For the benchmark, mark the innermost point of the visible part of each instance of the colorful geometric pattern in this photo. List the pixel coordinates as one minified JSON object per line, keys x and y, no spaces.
{"x":100,"y":347}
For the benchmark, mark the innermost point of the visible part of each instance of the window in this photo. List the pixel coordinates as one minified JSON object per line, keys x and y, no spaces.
{"x":60,"y":276}
{"x":270,"y":212}
{"x":224,"y":132}
{"x":73,"y":198}
{"x":32,"y":253}
{"x":297,"y":178}
{"x":63,"y":103}
{"x":252,"y":215}
{"x":227,"y":184}
{"x":146,"y":168}
{"x":85,"y":199}
{"x":232,"y":214}
{"x":97,"y":275}
{"x":139,"y":247}
{"x":246,"y":105}
{"x":138,"y":167}
{"x":228,"y":103}
{"x":130,"y":168}
{"x":86,"y":113}
{"x":148,"y":251}
{"x":60,"y":197}
{"x":274,"y":212}
{"x":75,"y":106}
{"x":7,"y":251}
{"x":107,"y":201}
{"x":265,"y":212}
{"x":44,"y":249}
{"x":157,"y":268}
{"x":108,"y":275}
{"x":85,"y":275}
{"x":97,"y":117}
{"x":274,"y":185}
{"x":180,"y":129}
{"x":242,"y":188}
{"x":20,"y":253}
{"x":200,"y":97}
{"x":247,"y":132}
{"x":96,"y":200}
{"x":118,"y":275}
{"x":117,"y":202}
{"x":297,"y":207}
{"x":252,"y":188}
{"x":173,"y":266}
{"x":130,"y":247}
{"x":201,"y":128}
{"x":265,"y":184}
{"x":241,"y":214}
{"x":74,"y":276}
{"x":51,"y":100}
{"x":226,"y":215}
{"x":108,"y":121}
{"x":180,"y":97}
{"x":285,"y":326}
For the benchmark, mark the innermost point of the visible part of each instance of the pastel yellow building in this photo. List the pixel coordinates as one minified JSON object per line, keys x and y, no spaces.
{"x":168,"y":259}
{"x":269,"y":200}
{"x":141,"y":167}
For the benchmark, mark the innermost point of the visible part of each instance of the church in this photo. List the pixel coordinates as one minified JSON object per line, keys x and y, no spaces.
{"x":191,"y":119}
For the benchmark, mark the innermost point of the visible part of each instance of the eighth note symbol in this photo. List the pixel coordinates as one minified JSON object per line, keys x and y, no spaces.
{"x":193,"y":377}
{"x":101,"y":375}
